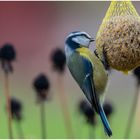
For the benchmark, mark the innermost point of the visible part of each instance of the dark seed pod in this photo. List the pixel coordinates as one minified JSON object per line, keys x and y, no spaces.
{"x":41,"y":85}
{"x":16,"y":108}
{"x":87,"y":111}
{"x":7,"y":52}
{"x":136,"y":73}
{"x":108,"y":108}
{"x":7,"y":55}
{"x":58,"y":59}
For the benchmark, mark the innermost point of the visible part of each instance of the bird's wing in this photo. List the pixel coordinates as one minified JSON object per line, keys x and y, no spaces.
{"x":83,"y":70}
{"x":88,"y":86}
{"x":79,"y":70}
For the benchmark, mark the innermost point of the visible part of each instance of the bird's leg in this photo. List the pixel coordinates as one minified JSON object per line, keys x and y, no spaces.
{"x":104,"y":60}
{"x":95,"y":52}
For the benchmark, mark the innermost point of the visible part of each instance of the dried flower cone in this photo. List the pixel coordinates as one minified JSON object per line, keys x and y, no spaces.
{"x":119,"y":36}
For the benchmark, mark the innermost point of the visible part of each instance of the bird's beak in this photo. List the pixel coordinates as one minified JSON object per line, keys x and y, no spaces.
{"x":91,"y":40}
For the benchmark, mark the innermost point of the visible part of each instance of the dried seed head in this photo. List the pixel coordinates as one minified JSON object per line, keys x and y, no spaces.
{"x":58,"y":59}
{"x":120,"y":38}
{"x":87,"y":111}
{"x":41,"y":85}
{"x":136,"y":73}
{"x":7,"y":53}
{"x":16,"y":109}
{"x":108,"y":108}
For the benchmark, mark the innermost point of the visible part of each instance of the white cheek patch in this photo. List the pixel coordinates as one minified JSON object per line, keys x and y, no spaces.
{"x":75,"y":39}
{"x":81,"y":40}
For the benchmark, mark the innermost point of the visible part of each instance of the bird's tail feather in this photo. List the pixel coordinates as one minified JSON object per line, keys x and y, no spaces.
{"x":105,"y":121}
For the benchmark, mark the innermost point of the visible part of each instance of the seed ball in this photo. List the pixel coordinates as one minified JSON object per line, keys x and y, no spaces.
{"x":120,"y":39}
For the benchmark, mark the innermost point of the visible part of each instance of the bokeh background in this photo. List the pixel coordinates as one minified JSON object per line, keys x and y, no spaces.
{"x":35,"y":29}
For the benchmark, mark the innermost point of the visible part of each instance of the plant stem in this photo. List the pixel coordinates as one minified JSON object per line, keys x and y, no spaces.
{"x":19,"y":129}
{"x":43,"y":121}
{"x":8,"y":105}
{"x":132,"y":114}
{"x":91,"y":132}
{"x":64,"y":107}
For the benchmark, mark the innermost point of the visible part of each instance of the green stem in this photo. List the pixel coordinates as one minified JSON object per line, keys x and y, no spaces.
{"x":91,"y":132}
{"x":43,"y":121}
{"x":8,"y":105}
{"x":19,"y":129}
{"x":65,"y":109}
{"x":132,"y":114}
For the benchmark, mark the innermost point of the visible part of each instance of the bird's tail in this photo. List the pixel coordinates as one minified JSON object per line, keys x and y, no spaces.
{"x":105,"y":121}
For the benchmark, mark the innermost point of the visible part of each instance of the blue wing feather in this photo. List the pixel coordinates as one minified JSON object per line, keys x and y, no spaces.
{"x":105,"y":121}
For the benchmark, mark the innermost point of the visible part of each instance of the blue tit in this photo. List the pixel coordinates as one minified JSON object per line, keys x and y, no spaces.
{"x":88,"y":71}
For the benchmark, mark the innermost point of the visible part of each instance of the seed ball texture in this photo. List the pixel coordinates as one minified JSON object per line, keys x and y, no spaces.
{"x":120,"y":39}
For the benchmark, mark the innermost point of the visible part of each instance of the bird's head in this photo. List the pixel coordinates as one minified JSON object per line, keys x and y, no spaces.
{"x":78,"y":39}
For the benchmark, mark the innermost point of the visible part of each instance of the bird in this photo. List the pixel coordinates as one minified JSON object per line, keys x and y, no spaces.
{"x":88,"y":71}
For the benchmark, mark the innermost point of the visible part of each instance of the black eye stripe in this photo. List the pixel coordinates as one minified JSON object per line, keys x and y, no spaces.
{"x":81,"y":35}
{"x":86,"y":36}
{"x":77,"y":34}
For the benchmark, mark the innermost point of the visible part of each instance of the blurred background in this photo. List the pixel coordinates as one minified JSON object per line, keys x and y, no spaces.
{"x":36,"y":29}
